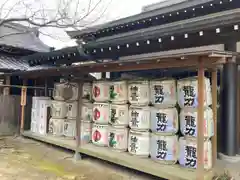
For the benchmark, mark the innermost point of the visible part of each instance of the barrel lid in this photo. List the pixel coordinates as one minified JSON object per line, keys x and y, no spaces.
{"x":163,"y":79}
{"x":144,"y":133}
{"x":139,"y":107}
{"x":139,"y":81}
{"x":101,"y":103}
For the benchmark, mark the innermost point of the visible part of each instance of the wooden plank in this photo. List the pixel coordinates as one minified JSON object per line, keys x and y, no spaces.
{"x":146,"y":165}
{"x":58,"y":141}
{"x":23,"y":104}
{"x":200,"y":122}
{"x":6,"y":90}
{"x":214,"y":108}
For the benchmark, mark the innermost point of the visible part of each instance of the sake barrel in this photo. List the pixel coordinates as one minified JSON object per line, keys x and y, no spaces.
{"x":118,"y":138}
{"x":119,"y":115}
{"x":164,"y":120}
{"x":139,"y":118}
{"x":188,"y":153}
{"x":138,"y":92}
{"x":58,"y":109}
{"x":36,"y":99}
{"x":189,"y":119}
{"x":56,"y":126}
{"x":58,"y":91}
{"x":119,"y":92}
{"x":71,"y":92}
{"x":87,"y":92}
{"x":139,"y":143}
{"x":34,"y":127}
{"x":69,"y":128}
{"x":100,"y":91}
{"x":188,"y":92}
{"x":163,"y":93}
{"x":100,"y":135}
{"x":101,"y":113}
{"x":87,"y":112}
{"x":72,"y":109}
{"x":34,"y":115}
{"x":164,"y":148}
{"x":86,"y":132}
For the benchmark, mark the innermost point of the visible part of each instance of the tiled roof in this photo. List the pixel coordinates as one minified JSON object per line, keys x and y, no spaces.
{"x":15,"y":64}
{"x":19,"y":36}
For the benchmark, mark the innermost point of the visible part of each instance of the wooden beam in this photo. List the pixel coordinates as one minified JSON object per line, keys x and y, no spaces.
{"x":6,"y":90}
{"x":200,"y":122}
{"x":78,"y":119}
{"x":23,"y":104}
{"x":214,"y":109}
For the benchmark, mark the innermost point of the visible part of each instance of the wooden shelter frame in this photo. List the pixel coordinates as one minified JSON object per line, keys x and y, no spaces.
{"x":196,"y":60}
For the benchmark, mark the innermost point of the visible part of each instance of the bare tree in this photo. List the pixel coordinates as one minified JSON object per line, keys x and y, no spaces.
{"x":65,"y":14}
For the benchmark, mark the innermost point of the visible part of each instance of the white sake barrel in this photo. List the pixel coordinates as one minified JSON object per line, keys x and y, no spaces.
{"x":87,"y":112}
{"x":56,"y":126}
{"x":164,"y":149}
{"x":164,"y":120}
{"x":100,"y":135}
{"x":58,"y":109}
{"x":139,"y":143}
{"x":72,"y":109}
{"x":34,"y":115}
{"x":69,"y":128}
{"x":119,"y":115}
{"x":100,"y":91}
{"x":139,"y":118}
{"x":101,"y":113}
{"x":34,"y":127}
{"x":65,"y":91}
{"x":118,"y":138}
{"x":163,"y":93}
{"x":188,"y":92}
{"x":35,"y":101}
{"x":119,"y":92}
{"x":74,"y":92}
{"x":138,"y":92}
{"x":58,"y":91}
{"x":86,"y":132}
{"x":43,"y":115}
{"x":189,"y":119}
{"x":87,"y":92}
{"x":188,"y":153}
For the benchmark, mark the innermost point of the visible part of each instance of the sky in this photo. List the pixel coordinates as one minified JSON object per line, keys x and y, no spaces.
{"x":115,"y":10}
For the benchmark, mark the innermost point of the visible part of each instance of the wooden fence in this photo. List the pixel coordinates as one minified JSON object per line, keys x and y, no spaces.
{"x":10,"y":113}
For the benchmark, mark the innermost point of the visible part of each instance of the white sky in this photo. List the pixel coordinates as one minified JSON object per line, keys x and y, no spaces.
{"x":116,"y":10}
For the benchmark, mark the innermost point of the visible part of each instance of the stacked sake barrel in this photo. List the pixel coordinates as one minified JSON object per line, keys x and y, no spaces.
{"x":71,"y":99}
{"x":87,"y":114}
{"x":118,"y":122}
{"x":188,"y":102}
{"x":139,"y":118}
{"x":101,"y":112}
{"x":164,"y":146}
{"x":58,"y":110}
{"x":39,"y":114}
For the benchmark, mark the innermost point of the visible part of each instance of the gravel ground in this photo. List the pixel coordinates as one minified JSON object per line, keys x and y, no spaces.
{"x":25,"y":159}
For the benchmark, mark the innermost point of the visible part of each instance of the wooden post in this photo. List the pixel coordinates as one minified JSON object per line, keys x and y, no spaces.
{"x":78,"y":122}
{"x":46,"y":88}
{"x":23,"y":104}
{"x":6,"y":90}
{"x":200,"y":122}
{"x":35,"y":90}
{"x":214,"y":109}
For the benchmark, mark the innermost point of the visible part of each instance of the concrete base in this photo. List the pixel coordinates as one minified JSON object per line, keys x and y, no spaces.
{"x":230,"y":159}
{"x":77,"y":156}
